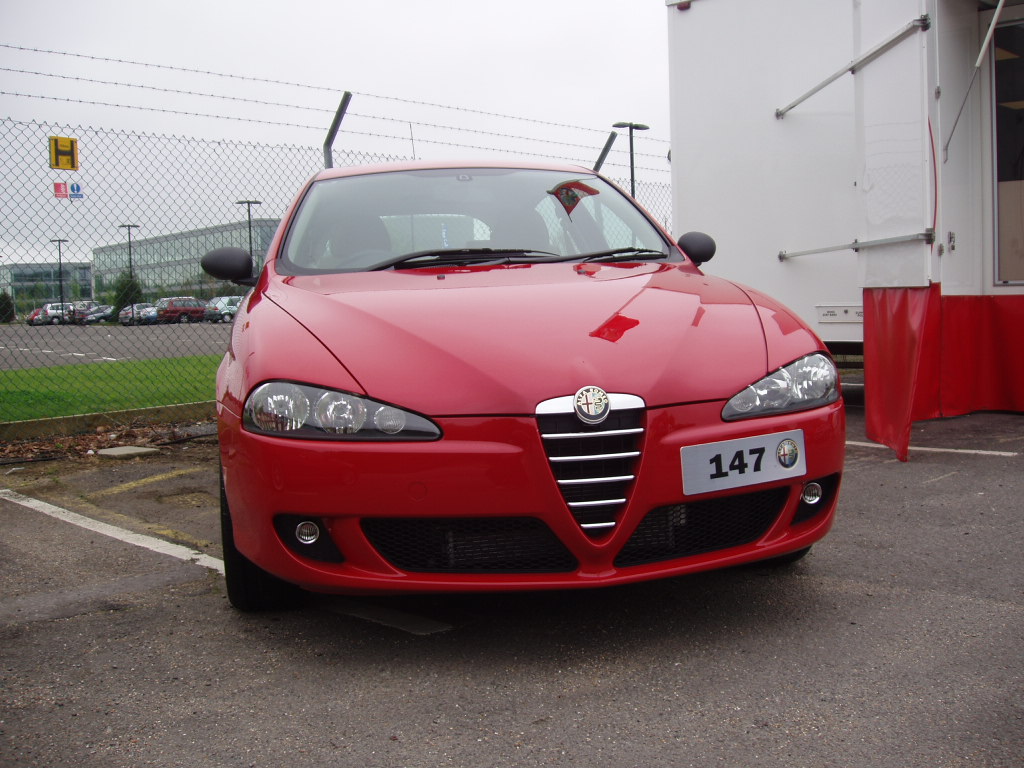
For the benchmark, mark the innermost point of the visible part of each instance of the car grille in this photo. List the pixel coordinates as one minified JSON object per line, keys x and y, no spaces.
{"x":594,"y":465}
{"x":469,"y":545}
{"x":682,"y":530}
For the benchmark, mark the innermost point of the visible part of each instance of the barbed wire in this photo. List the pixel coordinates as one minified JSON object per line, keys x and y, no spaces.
{"x":249,"y":78}
{"x":185,"y":113}
{"x":320,"y":110}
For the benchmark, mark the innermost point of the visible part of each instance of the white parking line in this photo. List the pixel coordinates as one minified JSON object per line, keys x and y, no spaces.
{"x":389,"y":617}
{"x":129,"y":537}
{"x":970,"y":451}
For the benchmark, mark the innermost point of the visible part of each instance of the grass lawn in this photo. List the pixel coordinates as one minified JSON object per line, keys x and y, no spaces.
{"x":71,"y":390}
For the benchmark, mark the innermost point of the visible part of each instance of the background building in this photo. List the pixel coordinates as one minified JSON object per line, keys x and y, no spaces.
{"x":34,"y":284}
{"x":168,"y":265}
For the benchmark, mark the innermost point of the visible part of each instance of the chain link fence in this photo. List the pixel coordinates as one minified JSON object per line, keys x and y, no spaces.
{"x":86,"y":254}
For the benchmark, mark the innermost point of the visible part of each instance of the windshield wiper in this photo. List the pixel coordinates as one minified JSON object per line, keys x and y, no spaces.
{"x":440,"y":256}
{"x":624,"y":254}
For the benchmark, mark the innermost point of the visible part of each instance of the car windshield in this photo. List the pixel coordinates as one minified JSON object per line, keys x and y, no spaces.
{"x":407,"y":219}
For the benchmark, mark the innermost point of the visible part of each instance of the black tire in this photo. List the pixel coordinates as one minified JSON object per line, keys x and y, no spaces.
{"x":249,"y":587}
{"x":227,"y":317}
{"x":184,"y":318}
{"x":788,"y":559}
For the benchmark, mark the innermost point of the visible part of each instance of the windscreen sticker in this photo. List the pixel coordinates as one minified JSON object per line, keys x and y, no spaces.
{"x":570,"y":193}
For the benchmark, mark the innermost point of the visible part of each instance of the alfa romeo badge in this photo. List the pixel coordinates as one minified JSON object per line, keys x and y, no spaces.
{"x":788,"y":453}
{"x":591,"y":404}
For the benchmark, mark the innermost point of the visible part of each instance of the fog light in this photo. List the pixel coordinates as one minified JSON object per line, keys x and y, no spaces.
{"x":812,"y":493}
{"x":307,"y":532}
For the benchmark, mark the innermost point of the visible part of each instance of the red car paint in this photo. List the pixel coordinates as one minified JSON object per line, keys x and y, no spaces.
{"x":476,"y":349}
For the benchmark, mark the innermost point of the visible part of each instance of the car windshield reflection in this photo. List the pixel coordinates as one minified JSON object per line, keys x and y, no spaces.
{"x":415,"y":218}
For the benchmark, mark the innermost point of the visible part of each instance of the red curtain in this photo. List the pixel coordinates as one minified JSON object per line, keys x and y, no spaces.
{"x":928,"y":355}
{"x":901,"y":330}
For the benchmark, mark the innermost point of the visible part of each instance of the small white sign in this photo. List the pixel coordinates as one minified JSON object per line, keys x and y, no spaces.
{"x":840,"y":313}
{"x":746,"y":461}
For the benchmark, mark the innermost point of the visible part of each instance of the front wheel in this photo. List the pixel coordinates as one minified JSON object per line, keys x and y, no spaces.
{"x":184,"y":319}
{"x":787,"y":559}
{"x":250,"y":588}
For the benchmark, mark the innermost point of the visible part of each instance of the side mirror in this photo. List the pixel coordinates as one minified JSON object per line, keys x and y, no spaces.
{"x":698,"y":246}
{"x":232,"y":264}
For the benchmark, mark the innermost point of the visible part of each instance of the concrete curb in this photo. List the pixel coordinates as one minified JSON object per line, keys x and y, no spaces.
{"x":76,"y":425}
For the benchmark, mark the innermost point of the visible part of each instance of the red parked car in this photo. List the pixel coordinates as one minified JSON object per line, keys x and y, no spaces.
{"x":180,"y":309}
{"x":508,"y":377}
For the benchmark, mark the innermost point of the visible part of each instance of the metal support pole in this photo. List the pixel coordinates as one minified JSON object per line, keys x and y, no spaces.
{"x":60,"y":271}
{"x":333,"y":131}
{"x":922,"y":23}
{"x":928,"y":237}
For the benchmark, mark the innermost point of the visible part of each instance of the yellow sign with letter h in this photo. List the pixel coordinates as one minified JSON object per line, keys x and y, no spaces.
{"x":63,"y":153}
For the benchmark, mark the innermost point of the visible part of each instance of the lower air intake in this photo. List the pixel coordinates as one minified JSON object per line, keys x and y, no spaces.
{"x":683,"y":530}
{"x":469,"y":545}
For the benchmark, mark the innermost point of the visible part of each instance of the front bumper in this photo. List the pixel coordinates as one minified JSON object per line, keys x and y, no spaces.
{"x":480,"y":510}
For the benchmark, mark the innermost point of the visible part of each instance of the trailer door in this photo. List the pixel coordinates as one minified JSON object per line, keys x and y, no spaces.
{"x":1008,"y":101}
{"x":896,"y":168}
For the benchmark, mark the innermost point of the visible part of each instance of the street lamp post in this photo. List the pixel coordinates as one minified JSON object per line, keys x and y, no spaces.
{"x":131,"y":274}
{"x":60,"y":271}
{"x":129,"y":227}
{"x":632,"y":174}
{"x":248,"y":212}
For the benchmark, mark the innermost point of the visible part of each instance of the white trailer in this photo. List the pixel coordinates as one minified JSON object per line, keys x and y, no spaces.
{"x":863,"y":161}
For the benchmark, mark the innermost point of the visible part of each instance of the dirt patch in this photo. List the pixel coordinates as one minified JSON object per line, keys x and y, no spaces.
{"x":196,"y":436}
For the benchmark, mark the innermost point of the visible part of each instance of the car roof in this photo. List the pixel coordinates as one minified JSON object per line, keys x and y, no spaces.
{"x":424,"y":165}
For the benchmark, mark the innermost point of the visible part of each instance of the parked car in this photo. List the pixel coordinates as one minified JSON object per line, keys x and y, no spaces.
{"x":35,"y":316}
{"x":99,"y":314}
{"x":508,"y":377}
{"x":55,"y":314}
{"x":80,"y":311}
{"x":179,"y":309}
{"x":221,"y":309}
{"x":143,"y":313}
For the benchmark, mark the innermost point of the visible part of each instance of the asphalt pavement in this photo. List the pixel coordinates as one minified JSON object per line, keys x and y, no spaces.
{"x":898,"y":642}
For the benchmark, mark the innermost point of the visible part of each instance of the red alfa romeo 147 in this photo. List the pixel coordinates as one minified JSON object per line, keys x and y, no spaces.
{"x":508,"y":377}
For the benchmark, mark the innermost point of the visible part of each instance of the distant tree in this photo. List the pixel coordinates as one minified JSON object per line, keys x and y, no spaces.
{"x":6,"y":308}
{"x":127,"y":290}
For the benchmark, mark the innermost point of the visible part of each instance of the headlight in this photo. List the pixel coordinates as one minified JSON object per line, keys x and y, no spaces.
{"x":810,"y":382}
{"x":298,"y":410}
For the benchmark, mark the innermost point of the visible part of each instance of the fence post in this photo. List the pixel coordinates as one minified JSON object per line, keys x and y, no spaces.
{"x":333,"y":130}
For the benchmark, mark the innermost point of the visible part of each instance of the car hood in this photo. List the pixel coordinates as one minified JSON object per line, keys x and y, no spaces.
{"x":500,"y":340}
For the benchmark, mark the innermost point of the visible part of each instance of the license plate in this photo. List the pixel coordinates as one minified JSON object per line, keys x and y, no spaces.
{"x":746,"y":461}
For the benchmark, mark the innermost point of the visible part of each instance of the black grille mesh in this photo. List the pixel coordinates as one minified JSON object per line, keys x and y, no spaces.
{"x":682,"y":530}
{"x":469,"y":545}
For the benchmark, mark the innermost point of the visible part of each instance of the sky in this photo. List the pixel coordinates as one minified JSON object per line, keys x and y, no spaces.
{"x":557,"y":63}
